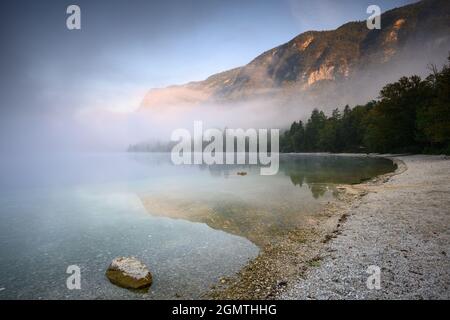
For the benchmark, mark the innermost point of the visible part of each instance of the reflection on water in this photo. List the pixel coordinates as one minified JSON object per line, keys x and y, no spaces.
{"x":190,"y":224}
{"x":260,"y":208}
{"x":318,"y":171}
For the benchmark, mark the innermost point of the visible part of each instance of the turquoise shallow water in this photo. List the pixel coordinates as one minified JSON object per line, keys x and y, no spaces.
{"x":190,"y":224}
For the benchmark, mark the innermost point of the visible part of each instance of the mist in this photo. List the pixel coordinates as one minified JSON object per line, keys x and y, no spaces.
{"x":100,"y":127}
{"x":64,"y":91}
{"x":277,"y":108}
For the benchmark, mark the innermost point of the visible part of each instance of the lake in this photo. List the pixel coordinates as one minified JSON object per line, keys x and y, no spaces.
{"x":190,"y":224}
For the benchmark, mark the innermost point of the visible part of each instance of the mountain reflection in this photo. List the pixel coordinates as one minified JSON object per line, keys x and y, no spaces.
{"x":317,"y":171}
{"x":253,"y":206}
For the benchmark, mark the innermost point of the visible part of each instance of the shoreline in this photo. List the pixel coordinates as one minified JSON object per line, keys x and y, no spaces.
{"x":282,"y":271}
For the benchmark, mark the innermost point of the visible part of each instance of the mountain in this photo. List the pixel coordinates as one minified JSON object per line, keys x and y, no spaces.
{"x":347,"y":65}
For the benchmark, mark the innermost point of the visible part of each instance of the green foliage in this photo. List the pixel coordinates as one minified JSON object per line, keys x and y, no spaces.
{"x":433,"y":118}
{"x":411,"y":115}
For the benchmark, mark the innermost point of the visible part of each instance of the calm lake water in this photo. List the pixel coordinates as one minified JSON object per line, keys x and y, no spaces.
{"x":191,"y":225}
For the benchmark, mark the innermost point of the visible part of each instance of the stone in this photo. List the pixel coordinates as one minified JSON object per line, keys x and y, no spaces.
{"x":129,"y":272}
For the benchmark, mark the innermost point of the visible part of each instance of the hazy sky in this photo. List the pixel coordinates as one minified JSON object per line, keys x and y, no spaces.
{"x":127,"y":47}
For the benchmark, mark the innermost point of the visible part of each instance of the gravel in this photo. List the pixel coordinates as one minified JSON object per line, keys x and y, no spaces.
{"x":401,"y":226}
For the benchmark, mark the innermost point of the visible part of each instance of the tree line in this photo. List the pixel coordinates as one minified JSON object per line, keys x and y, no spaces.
{"x":411,"y":115}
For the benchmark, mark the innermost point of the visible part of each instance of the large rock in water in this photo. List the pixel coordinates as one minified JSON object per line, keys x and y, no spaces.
{"x":129,"y":272}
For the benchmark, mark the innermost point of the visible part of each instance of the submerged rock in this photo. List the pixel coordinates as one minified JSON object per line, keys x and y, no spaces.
{"x":129,"y":272}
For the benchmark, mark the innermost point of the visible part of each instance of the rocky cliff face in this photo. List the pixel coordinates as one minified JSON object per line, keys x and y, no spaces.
{"x":319,"y":66}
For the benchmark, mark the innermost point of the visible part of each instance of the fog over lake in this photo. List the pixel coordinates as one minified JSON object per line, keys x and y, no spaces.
{"x":191,"y":225}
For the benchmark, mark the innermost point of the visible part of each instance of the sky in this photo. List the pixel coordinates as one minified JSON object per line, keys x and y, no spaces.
{"x":124,"y":48}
